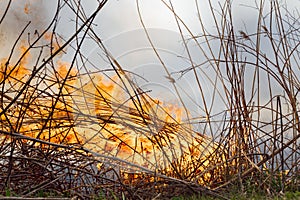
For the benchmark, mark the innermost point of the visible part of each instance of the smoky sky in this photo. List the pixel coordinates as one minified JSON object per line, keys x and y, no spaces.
{"x":120,"y":27}
{"x":37,"y":14}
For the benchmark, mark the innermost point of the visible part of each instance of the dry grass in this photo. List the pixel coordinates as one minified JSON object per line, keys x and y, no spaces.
{"x":62,"y":130}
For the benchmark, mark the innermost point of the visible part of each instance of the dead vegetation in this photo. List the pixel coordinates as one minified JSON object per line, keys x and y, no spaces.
{"x":68,"y":131}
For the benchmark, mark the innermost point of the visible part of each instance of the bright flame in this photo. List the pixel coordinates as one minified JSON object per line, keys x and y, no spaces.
{"x":18,"y":71}
{"x":132,"y":126}
{"x":35,"y":113}
{"x":107,"y":114}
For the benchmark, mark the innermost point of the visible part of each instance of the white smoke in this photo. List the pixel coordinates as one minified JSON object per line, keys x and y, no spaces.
{"x":37,"y":13}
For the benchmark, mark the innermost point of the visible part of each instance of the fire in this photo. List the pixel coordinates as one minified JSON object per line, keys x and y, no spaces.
{"x":132,"y":126}
{"x":55,"y":41}
{"x":15,"y":72}
{"x":34,"y":113}
{"x":27,"y":8}
{"x":109,"y":115}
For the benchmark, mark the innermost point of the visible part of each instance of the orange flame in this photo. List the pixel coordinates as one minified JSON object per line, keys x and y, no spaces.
{"x":48,"y":118}
{"x":18,"y":71}
{"x":107,"y":115}
{"x":54,"y":41}
{"x":27,"y":8}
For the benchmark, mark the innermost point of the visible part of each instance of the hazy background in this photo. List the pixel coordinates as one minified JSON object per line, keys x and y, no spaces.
{"x":119,"y":26}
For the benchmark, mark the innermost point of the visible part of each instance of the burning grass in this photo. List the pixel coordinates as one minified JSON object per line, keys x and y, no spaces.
{"x":69,"y":131}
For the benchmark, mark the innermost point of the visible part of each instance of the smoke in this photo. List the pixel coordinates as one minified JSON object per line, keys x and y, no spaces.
{"x":37,"y":13}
